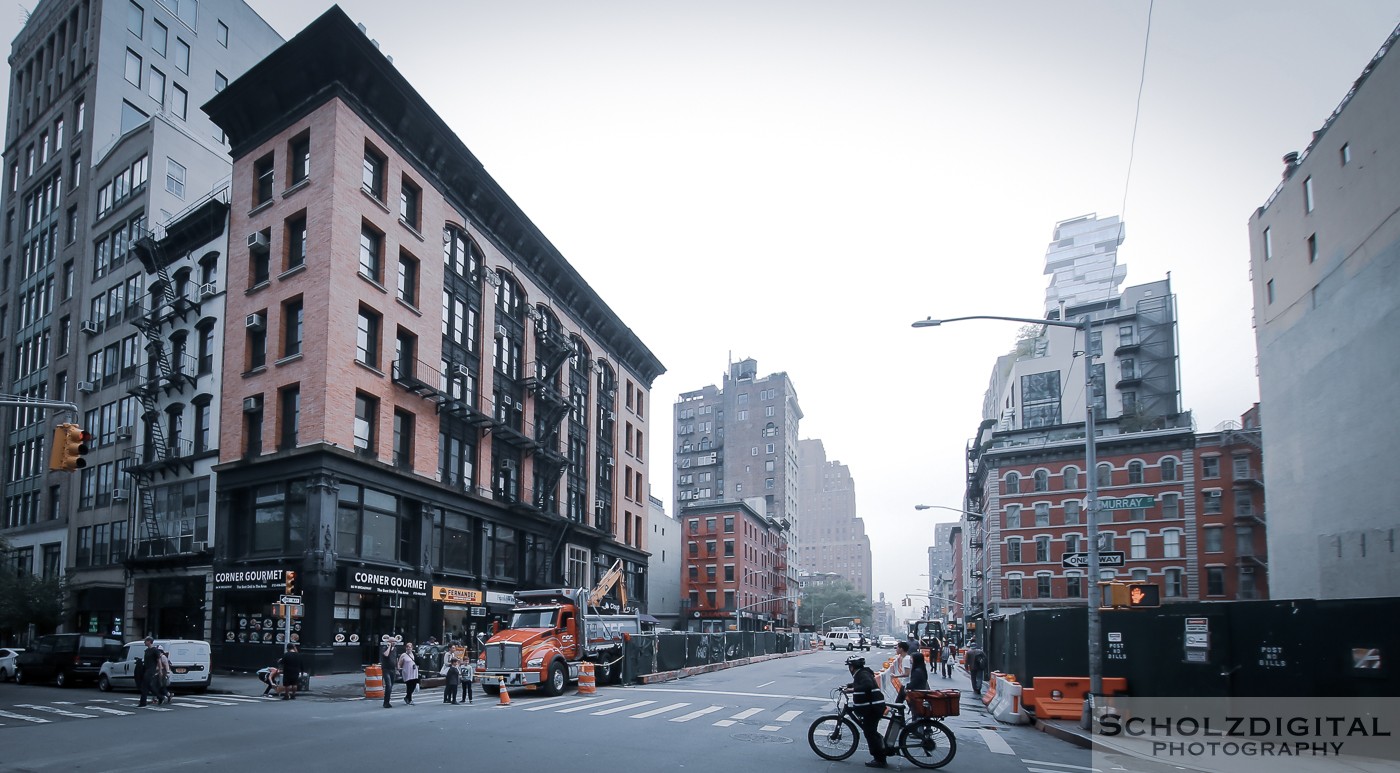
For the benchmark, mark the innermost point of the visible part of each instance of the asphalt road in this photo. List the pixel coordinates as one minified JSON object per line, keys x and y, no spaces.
{"x":749,"y":718}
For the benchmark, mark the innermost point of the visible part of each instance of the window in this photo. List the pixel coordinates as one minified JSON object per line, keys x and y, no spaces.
{"x":1171,"y":505}
{"x":367,"y":339}
{"x":1168,"y":467}
{"x":1213,"y":539}
{"x":1137,"y":545}
{"x":1215,"y":581}
{"x":289,"y":402}
{"x":1013,"y":587}
{"x":296,"y":242}
{"x":155,"y":86}
{"x":262,"y":180}
{"x":292,"y":327}
{"x":1013,"y":550}
{"x":1072,"y":512}
{"x":1042,"y":549}
{"x":1127,"y":369}
{"x":405,"y":353}
{"x":1213,"y":502}
{"x":1210,"y":466}
{"x":182,"y":56}
{"x":1072,"y":543}
{"x":179,"y":101}
{"x":1013,"y":517}
{"x":1171,"y":543}
{"x":300,"y":156}
{"x":160,"y":35}
{"x":1172,"y":582}
{"x":371,"y":253}
{"x":1269,"y":291}
{"x":1312,"y":248}
{"x":220,"y":81}
{"x":133,"y":68}
{"x":1042,"y":513}
{"x":1012,"y":484}
{"x":372,"y":176}
{"x":1134,"y":472}
{"x":174,"y":178}
{"x":1074,"y":586}
{"x":257,"y":345}
{"x":221,"y":34}
{"x":1308,"y":203}
{"x":1042,"y":480}
{"x":1105,"y":475}
{"x":1071,"y":477}
{"x":135,"y":19}
{"x":252,"y":429}
{"x":403,"y":439}
{"x":366,"y":423}
{"x":408,"y":279}
{"x":410,"y":203}
{"x":1268,"y":244}
{"x":1346,"y":153}
{"x":260,"y":262}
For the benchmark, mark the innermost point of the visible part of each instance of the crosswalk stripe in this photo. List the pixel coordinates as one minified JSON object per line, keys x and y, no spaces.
{"x":746,"y":713}
{"x":52,"y":710}
{"x":771,"y":728}
{"x":106,"y":710}
{"x":616,"y":709}
{"x":725,"y":723}
{"x":995,"y":743}
{"x":661,"y":710}
{"x":695,"y":714}
{"x":155,"y":708}
{"x":558,"y":704}
{"x":588,"y":706}
{"x":1059,"y":765}
{"x":788,"y":716}
{"x":36,"y":720}
{"x":241,"y":698}
{"x":210,"y":701}
{"x":185,"y":704}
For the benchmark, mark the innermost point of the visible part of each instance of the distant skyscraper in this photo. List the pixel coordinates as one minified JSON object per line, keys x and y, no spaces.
{"x":833,"y":538}
{"x":1082,"y":262}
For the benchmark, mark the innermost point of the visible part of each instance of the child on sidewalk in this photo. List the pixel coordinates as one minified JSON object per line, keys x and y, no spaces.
{"x":468,"y":675}
{"x":454,"y":678}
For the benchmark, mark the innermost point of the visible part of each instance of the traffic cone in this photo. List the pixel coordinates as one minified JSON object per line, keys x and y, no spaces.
{"x":505,"y":694}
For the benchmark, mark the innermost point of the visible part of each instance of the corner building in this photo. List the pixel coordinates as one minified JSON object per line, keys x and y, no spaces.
{"x":422,"y":399}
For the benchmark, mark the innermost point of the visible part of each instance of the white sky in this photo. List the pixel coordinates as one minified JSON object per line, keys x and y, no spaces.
{"x":798,"y":181}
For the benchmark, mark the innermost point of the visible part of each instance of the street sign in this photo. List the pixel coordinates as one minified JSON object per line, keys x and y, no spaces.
{"x":1197,"y":641}
{"x":289,"y":599}
{"x":1127,"y":503}
{"x":1081,"y":560}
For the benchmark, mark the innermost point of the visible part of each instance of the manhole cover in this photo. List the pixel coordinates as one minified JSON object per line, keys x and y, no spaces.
{"x":761,"y":738}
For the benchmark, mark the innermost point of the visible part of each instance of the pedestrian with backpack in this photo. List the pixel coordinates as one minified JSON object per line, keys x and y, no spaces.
{"x":976,"y":667}
{"x":950,"y":654}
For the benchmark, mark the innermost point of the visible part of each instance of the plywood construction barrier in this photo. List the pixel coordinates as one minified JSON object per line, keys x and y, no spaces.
{"x":1062,"y":697}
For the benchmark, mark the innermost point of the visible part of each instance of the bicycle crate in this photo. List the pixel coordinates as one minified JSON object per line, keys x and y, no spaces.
{"x":934,"y":703}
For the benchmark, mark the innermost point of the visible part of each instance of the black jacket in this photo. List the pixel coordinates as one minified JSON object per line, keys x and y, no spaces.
{"x":865,"y":693}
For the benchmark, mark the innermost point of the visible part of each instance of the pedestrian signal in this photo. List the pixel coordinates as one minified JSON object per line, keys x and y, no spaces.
{"x":1142,"y":595}
{"x":290,"y":580}
{"x":70,"y":444}
{"x":1114,"y":594}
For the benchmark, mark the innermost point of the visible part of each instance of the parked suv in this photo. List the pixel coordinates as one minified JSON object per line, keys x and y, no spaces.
{"x":66,"y":658}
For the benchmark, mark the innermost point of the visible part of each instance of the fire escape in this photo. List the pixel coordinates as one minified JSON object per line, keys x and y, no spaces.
{"x":974,"y":506}
{"x":552,"y":351}
{"x":1249,"y":480}
{"x":166,"y":373}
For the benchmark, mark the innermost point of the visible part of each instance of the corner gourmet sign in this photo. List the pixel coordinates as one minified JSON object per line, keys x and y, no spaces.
{"x":249,"y":579}
{"x":366,"y":581}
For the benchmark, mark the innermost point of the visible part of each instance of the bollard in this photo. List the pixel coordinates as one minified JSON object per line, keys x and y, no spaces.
{"x":374,"y":682}
{"x":587,"y":682}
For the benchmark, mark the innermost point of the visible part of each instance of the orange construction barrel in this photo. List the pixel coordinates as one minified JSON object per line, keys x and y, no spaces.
{"x":374,"y":682}
{"x":587,"y":684}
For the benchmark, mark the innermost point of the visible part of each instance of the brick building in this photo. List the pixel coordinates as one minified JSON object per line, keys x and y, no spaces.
{"x":736,"y":567}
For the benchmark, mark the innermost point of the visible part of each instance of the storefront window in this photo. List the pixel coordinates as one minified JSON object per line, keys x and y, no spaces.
{"x":251,"y":621}
{"x":347,"y":620}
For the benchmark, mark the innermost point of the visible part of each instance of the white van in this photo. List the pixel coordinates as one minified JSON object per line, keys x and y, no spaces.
{"x":846,"y":639}
{"x":189,"y":665}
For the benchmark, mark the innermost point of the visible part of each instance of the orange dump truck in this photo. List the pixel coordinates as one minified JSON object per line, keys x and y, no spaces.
{"x":551,"y":635}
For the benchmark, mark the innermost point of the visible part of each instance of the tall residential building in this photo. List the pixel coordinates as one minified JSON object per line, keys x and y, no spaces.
{"x":1082,"y":261}
{"x":665,"y":565}
{"x":106,"y":149}
{"x":736,"y":568}
{"x":739,"y":441}
{"x":1325,"y":265}
{"x":424,"y":407}
{"x":832,"y":536}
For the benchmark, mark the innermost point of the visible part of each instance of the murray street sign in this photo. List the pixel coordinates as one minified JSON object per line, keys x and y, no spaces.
{"x":1127,"y":503}
{"x":1081,"y":560}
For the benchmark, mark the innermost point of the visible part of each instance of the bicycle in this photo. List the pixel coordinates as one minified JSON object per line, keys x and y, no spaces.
{"x":926,"y":742}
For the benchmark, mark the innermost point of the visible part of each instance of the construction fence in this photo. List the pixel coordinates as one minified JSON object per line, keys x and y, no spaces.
{"x":652,"y":653}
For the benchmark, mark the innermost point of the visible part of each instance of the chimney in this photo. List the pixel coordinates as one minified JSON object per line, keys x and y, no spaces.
{"x":1290,"y":163}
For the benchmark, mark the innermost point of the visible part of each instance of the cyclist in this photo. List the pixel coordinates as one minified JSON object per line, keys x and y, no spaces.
{"x":868,"y":701}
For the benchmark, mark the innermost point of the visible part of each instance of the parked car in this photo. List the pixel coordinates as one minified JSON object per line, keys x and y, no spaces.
{"x":65,"y":658}
{"x":189,"y":665}
{"x":847,"y":640}
{"x":7,"y":662}
{"x":886,"y":642}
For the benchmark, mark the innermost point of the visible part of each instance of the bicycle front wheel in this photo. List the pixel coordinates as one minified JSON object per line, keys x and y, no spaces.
{"x":928,"y":743}
{"x":833,"y":737}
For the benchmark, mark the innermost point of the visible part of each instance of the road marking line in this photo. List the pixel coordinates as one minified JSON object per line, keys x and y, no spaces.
{"x":1061,"y":765}
{"x":765,"y":684}
{"x":104,"y":709}
{"x":53,"y":710}
{"x":827,"y":699}
{"x":771,"y":728}
{"x":588,"y":706}
{"x":36,"y":720}
{"x":209,"y":701}
{"x":994,"y":742}
{"x":558,"y":704}
{"x":662,"y":710}
{"x":725,"y":723}
{"x":64,"y":703}
{"x":616,"y":709}
{"x":186,"y":704}
{"x":696,"y":714}
{"x":157,"y":708}
{"x":788,"y":716}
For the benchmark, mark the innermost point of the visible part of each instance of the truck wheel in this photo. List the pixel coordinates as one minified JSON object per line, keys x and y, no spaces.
{"x":558,"y":679}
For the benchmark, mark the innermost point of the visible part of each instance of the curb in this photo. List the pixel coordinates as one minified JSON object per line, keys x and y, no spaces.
{"x":1063,"y":733}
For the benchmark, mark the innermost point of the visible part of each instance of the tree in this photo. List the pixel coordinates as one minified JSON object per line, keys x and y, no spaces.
{"x":27,"y":598}
{"x":839,"y":599}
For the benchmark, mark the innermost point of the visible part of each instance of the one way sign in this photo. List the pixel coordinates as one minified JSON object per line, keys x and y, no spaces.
{"x":1081,"y":560}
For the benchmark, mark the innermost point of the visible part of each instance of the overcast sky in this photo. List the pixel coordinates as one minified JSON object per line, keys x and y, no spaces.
{"x":798,"y":181}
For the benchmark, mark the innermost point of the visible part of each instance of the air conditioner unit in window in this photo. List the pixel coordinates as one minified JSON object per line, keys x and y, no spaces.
{"x":501,"y":331}
{"x":123,"y":433}
{"x":257,"y":242}
{"x":519,"y":406}
{"x":88,"y":327}
{"x":252,"y":404}
{"x":201,"y":545}
{"x":119,"y":495}
{"x":207,"y":290}
{"x":612,"y":416}
{"x":610,"y":462}
{"x":461,"y":370}
{"x":254,"y":322}
{"x":597,"y":504}
{"x":87,"y":386}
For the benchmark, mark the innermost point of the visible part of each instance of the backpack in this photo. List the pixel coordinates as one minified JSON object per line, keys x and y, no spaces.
{"x":980,"y":661}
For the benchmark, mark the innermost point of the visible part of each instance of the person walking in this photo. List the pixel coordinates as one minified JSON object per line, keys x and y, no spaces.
{"x":291,"y":672}
{"x":950,"y":655}
{"x":388,"y":664}
{"x":408,"y":671}
{"x":162,"y":680}
{"x":139,"y":672}
{"x":976,"y":668}
{"x":868,"y":702}
{"x":468,"y":669}
{"x":454,"y":680}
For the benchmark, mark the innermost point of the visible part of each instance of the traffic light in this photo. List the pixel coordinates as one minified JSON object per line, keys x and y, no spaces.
{"x":1114,"y":594}
{"x":70,"y":443}
{"x":289,"y":577}
{"x":1142,"y":595}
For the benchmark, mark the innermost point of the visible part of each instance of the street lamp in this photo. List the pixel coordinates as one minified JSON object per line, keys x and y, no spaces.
{"x":822,"y":630}
{"x":1092,"y":489}
{"x":974,"y":572}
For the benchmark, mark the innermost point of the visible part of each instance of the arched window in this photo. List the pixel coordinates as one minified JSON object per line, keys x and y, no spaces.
{"x":1168,"y":465}
{"x":1105,"y":474}
{"x":1071,"y":477}
{"x":1042,"y":480}
{"x":1134,"y":472}
{"x":460,"y":253}
{"x":1012,"y":483}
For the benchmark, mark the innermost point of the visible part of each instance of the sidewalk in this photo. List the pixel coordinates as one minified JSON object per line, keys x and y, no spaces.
{"x":337,"y":686}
